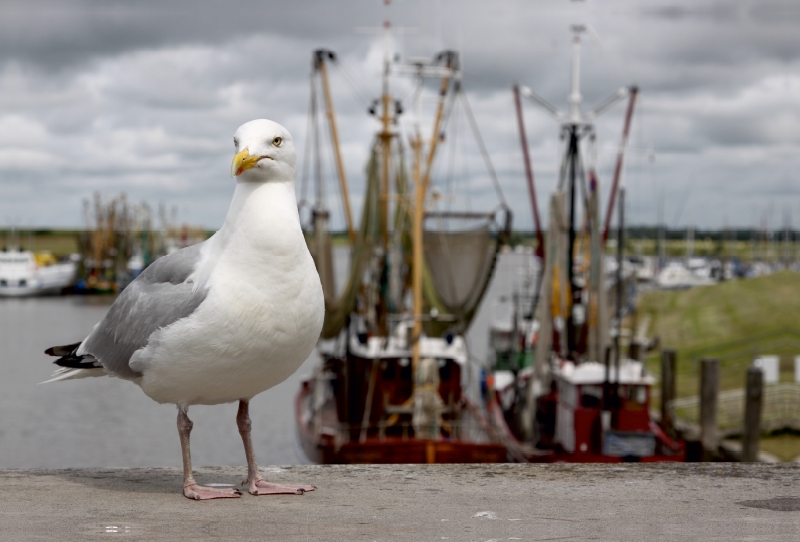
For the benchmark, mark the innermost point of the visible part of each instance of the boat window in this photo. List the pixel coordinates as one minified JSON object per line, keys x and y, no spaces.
{"x":591,"y":396}
{"x":567,"y":394}
{"x":445,"y":370}
{"x":405,"y":371}
{"x":637,"y":394}
{"x":388,"y":370}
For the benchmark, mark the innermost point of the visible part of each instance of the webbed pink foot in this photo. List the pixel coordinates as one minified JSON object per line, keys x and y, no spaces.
{"x":204,"y":493}
{"x":259,"y":487}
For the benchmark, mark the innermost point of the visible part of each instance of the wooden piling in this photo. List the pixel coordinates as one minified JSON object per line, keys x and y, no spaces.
{"x":709,"y":391}
{"x":753,"y":403}
{"x":668,"y":367}
{"x":635,"y":350}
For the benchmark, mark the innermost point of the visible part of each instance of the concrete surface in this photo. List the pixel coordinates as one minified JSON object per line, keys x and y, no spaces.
{"x":634,"y":502}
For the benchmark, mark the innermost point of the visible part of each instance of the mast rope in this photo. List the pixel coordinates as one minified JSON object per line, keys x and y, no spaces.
{"x":482,"y":147}
{"x":310,"y":126}
{"x":360,"y":91}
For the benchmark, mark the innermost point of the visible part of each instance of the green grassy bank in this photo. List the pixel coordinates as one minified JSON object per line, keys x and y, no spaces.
{"x":734,"y":321}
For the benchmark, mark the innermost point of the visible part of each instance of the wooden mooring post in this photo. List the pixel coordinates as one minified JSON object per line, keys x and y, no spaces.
{"x":709,"y":392}
{"x":753,"y":402}
{"x":635,"y":350}
{"x":668,"y":368}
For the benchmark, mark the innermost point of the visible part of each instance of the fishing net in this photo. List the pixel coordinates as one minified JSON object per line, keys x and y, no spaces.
{"x":338,"y":308}
{"x":457,"y":268}
{"x":458,"y":265}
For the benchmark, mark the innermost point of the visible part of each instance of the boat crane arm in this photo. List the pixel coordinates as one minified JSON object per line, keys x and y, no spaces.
{"x":528,"y":171}
{"x":620,"y":155}
{"x":531,"y":95}
{"x":621,"y":94}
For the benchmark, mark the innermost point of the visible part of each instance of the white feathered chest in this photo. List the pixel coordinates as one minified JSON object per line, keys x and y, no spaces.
{"x":261,"y":318}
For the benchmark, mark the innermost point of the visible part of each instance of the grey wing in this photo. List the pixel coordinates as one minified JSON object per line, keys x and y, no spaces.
{"x":158,"y":297}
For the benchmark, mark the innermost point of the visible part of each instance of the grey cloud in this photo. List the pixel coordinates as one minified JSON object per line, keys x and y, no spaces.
{"x":113,"y":96}
{"x":720,"y":12}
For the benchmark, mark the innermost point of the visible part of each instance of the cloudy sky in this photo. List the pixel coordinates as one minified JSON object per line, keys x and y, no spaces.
{"x":143,"y":97}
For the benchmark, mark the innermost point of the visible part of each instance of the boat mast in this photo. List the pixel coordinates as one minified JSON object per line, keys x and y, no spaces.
{"x":416,"y":239}
{"x":320,"y":55}
{"x":620,"y":289}
{"x":385,"y":135}
{"x":421,"y":184}
{"x":575,"y":125}
{"x":572,"y":127}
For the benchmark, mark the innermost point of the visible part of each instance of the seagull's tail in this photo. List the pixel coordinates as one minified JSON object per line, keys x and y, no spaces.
{"x":73,"y":365}
{"x":68,"y":373}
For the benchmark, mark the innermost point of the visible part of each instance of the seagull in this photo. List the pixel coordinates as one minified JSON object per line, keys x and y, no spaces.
{"x":223,"y":320}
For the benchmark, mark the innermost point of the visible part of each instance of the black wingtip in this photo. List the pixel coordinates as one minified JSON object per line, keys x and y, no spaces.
{"x":65,"y":350}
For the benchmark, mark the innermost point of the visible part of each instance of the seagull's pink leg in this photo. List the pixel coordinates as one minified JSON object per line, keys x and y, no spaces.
{"x":190,"y":487}
{"x":257,"y":484}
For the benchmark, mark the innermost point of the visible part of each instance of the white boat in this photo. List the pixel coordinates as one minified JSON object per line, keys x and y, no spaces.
{"x":677,"y":276}
{"x":644,"y":267}
{"x":24,"y":273}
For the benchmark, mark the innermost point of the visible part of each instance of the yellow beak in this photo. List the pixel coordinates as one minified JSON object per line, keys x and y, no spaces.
{"x":243,"y":161}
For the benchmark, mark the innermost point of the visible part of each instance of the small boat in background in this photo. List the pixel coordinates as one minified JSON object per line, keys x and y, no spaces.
{"x":678,"y":276}
{"x":26,"y":273}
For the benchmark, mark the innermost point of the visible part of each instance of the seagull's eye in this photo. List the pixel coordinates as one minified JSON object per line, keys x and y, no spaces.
{"x":235,"y":142}
{"x":277,"y":141}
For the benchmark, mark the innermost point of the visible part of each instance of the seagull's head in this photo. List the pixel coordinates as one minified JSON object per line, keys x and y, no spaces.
{"x":264,"y":152}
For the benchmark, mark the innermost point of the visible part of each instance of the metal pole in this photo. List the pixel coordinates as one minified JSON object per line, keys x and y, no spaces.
{"x":754,"y":400}
{"x":529,"y":173}
{"x":635,"y":350}
{"x":668,"y":391}
{"x":573,"y":163}
{"x":620,"y":292}
{"x":709,"y":391}
{"x":620,"y":156}
{"x":417,"y":253}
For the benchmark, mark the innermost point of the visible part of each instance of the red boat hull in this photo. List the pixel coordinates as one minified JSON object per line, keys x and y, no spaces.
{"x":325,"y":449}
{"x":533,"y":455}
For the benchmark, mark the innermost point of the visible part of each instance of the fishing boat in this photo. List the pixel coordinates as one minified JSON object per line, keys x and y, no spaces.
{"x":577,"y":396}
{"x":27,"y":273}
{"x":394,"y":383}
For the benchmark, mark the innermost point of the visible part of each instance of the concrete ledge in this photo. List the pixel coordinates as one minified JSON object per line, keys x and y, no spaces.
{"x":694,"y":501}
{"x":732,"y":451}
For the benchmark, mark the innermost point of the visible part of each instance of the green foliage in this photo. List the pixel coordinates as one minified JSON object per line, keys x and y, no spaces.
{"x":734,"y":321}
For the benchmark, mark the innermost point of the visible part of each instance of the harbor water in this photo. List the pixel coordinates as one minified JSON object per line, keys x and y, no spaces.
{"x":107,"y":422}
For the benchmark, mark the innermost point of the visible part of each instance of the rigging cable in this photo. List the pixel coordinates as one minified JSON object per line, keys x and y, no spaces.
{"x":451,"y":170}
{"x":359,"y":90}
{"x":482,"y":147}
{"x":307,"y":146}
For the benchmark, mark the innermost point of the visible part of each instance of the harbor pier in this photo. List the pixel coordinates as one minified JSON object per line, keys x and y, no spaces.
{"x":689,"y":501}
